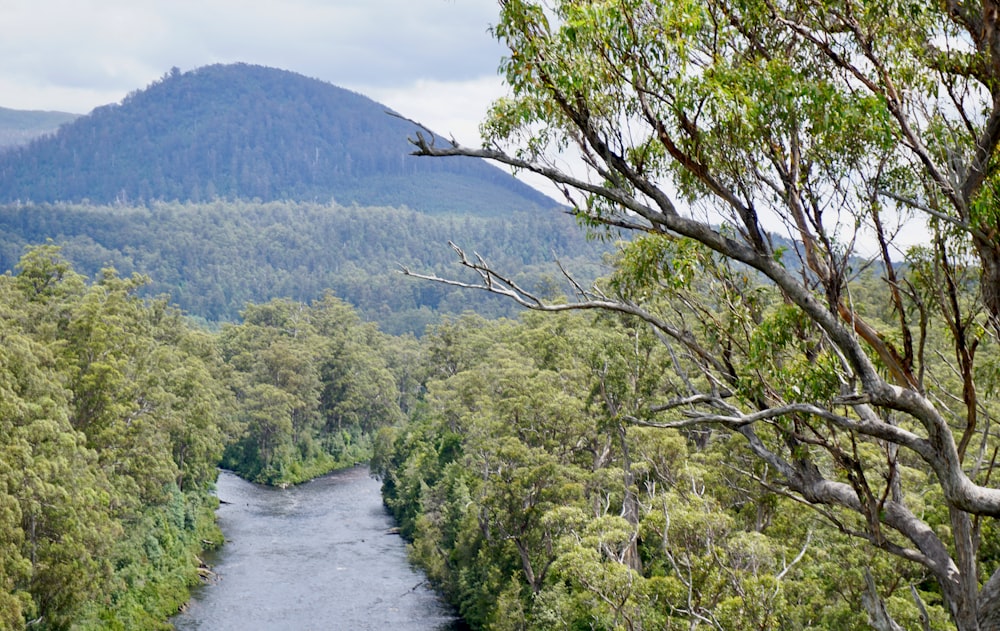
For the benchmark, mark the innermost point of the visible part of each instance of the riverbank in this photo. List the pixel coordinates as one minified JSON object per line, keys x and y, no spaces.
{"x":158,"y":562}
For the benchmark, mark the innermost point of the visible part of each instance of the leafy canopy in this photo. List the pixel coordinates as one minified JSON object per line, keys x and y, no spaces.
{"x":707,"y":126}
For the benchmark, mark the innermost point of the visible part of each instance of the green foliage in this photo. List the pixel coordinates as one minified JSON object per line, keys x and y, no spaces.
{"x":533,"y":505}
{"x":861,"y":389}
{"x":211,"y":259}
{"x":111,"y":424}
{"x":312,"y":385}
{"x":156,"y":563}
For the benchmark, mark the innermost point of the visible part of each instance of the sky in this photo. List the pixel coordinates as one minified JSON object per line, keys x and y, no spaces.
{"x":433,"y":61}
{"x":430,"y":60}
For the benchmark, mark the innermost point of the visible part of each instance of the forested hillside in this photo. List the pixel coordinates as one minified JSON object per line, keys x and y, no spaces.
{"x":212,"y":259}
{"x":250,"y":132}
{"x":313,"y":385}
{"x":113,"y":415}
{"x":518,"y":455}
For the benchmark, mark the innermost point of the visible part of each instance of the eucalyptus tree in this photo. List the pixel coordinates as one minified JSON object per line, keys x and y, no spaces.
{"x":312,"y":386}
{"x":705,"y":127}
{"x":112,"y":420}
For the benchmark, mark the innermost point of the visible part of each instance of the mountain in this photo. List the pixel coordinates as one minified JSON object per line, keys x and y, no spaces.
{"x":250,"y":132}
{"x":19,"y":127}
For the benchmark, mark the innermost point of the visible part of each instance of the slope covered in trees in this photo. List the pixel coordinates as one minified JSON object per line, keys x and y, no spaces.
{"x":313,"y":385}
{"x":113,"y":414}
{"x":523,"y":458}
{"x":212,"y":259}
{"x":250,"y":132}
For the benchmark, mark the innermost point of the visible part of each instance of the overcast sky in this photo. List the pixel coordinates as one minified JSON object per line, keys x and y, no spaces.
{"x":432,"y":60}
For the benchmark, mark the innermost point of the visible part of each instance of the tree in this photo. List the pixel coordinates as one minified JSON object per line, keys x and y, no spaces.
{"x":112,"y":419}
{"x":706,"y":126}
{"x":312,"y":387}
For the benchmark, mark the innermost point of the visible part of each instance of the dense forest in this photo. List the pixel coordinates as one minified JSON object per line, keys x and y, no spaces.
{"x":112,"y":416}
{"x":249,"y":132}
{"x":539,"y":493}
{"x":115,"y":412}
{"x":212,"y":259}
{"x":516,"y":455}
{"x":313,"y":385}
{"x":706,"y":437}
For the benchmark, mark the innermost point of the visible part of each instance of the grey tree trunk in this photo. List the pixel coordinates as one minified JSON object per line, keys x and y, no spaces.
{"x":878,"y":617}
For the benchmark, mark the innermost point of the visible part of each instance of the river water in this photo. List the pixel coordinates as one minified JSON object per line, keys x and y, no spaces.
{"x":317,"y":556}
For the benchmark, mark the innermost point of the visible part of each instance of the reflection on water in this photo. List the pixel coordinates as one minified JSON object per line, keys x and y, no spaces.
{"x":314,"y":557}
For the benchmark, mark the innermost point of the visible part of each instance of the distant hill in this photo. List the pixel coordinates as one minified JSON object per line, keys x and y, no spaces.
{"x":19,"y":127}
{"x":251,"y":132}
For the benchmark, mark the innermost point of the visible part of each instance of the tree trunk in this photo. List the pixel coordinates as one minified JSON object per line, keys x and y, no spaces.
{"x":630,"y":505}
{"x":529,"y":571}
{"x":988,"y":613}
{"x":989,"y":281}
{"x":878,"y":617}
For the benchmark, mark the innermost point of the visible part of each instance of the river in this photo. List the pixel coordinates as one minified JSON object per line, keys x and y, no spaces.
{"x":317,"y":556}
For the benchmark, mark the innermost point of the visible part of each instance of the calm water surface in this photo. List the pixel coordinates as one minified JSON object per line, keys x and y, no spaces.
{"x":312,"y":557}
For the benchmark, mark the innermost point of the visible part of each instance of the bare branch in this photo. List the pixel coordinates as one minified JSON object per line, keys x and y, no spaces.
{"x":924,"y":208}
{"x":503,"y":286}
{"x":735,"y":421}
{"x":798,"y":557}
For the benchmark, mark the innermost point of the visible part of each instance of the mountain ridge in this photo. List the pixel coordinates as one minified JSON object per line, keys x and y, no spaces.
{"x":20,"y":127}
{"x":242,"y":131}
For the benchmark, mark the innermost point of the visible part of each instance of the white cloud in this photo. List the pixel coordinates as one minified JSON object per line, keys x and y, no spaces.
{"x":25,"y":95}
{"x":455,"y":109}
{"x":450,"y":108}
{"x":77,"y":54}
